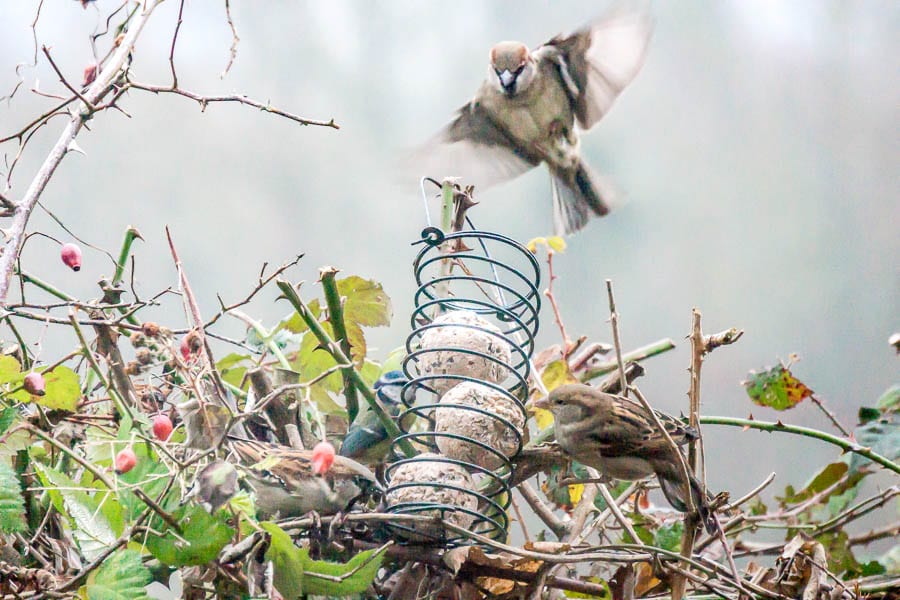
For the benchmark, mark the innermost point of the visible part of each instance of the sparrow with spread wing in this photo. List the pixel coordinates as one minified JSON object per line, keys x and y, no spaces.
{"x":617,"y":436}
{"x":525,"y":113}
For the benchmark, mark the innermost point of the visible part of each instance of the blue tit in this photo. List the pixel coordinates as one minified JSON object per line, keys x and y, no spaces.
{"x":366,"y":440}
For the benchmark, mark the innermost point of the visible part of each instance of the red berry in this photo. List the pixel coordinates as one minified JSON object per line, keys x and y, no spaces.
{"x":71,"y":256}
{"x":322,"y":457}
{"x":190,"y":345}
{"x":34,"y":383}
{"x":125,"y":461}
{"x":162,"y":427}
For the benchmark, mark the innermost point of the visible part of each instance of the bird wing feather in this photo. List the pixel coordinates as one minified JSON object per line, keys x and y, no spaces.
{"x":600,"y":60}
{"x":474,"y":147}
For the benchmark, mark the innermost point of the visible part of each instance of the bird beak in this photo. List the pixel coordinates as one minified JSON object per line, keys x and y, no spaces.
{"x":543,"y":403}
{"x":507,"y":78}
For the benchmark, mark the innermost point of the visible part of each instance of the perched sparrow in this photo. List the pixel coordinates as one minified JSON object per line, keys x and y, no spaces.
{"x":286,"y":485}
{"x":525,"y":114}
{"x":366,"y":440}
{"x":616,"y":436}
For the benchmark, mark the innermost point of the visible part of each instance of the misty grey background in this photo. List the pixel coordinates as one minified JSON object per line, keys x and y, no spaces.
{"x":758,"y":150}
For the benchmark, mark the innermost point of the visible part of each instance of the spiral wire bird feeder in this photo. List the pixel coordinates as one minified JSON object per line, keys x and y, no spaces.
{"x":468,"y":362}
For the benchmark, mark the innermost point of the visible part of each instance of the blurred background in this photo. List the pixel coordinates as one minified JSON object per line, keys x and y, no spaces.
{"x":757,"y":148}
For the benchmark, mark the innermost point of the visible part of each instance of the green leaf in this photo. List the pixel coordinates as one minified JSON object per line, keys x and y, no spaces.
{"x":370,"y":372}
{"x":394,"y":360}
{"x":7,"y":417}
{"x":297,"y":574}
{"x":12,"y":505}
{"x":286,"y":560}
{"x":232,"y":368}
{"x":311,"y":361}
{"x":151,"y":476}
{"x":827,"y":476}
{"x":867,"y":414}
{"x":340,"y":579}
{"x":201,"y":539}
{"x":668,"y":537}
{"x":837,"y":548}
{"x":295,"y":323}
{"x":776,"y":388}
{"x":882,"y":436}
{"x":63,"y":389}
{"x":10,"y":369}
{"x":122,"y":576}
{"x":91,"y":529}
{"x":367,"y":303}
{"x":357,"y":343}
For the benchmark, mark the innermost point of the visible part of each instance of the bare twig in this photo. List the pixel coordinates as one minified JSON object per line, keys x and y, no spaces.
{"x":240,"y":99}
{"x":232,"y":52}
{"x":614,"y":323}
{"x":172,"y":49}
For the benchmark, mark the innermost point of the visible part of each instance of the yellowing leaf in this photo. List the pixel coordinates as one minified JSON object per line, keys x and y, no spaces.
{"x":533,"y":244}
{"x":543,"y":418}
{"x":556,"y":374}
{"x":367,"y":303}
{"x":575,"y":492}
{"x":557,"y":243}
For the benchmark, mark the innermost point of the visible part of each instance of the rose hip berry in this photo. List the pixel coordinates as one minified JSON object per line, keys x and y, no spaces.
{"x":34,"y":384}
{"x":71,"y":256}
{"x":125,"y":461}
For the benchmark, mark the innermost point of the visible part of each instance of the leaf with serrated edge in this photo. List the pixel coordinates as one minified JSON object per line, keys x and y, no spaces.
{"x":367,"y":303}
{"x":12,"y":505}
{"x":122,"y":576}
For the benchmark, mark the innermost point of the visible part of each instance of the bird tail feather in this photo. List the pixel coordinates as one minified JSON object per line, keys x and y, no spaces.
{"x":577,"y":198}
{"x":674,"y":492}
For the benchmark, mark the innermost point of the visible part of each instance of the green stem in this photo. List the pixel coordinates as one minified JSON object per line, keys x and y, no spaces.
{"x":844,"y":444}
{"x":265,"y":336}
{"x":131,"y":234}
{"x":332,"y":348}
{"x":446,"y":206}
{"x":336,"y":318}
{"x":644,"y":352}
{"x":28,"y":278}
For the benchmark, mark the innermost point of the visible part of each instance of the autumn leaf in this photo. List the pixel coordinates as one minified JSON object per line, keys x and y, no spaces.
{"x":776,"y":388}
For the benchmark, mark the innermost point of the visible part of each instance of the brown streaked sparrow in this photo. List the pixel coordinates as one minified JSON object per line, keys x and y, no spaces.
{"x":526,"y":111}
{"x":617,"y":436}
{"x":285,"y":482}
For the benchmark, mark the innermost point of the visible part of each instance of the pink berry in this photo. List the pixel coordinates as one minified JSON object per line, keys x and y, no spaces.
{"x":34,"y":384}
{"x":190,"y":345}
{"x":71,"y":256}
{"x":322,"y":457}
{"x":162,"y":427}
{"x":125,"y":461}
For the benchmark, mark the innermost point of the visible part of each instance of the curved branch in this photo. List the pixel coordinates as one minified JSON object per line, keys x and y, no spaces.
{"x":843,"y":444}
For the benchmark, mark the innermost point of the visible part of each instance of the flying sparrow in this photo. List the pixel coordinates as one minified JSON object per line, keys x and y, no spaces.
{"x":526,"y":110}
{"x":286,"y":483}
{"x":617,"y":436}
